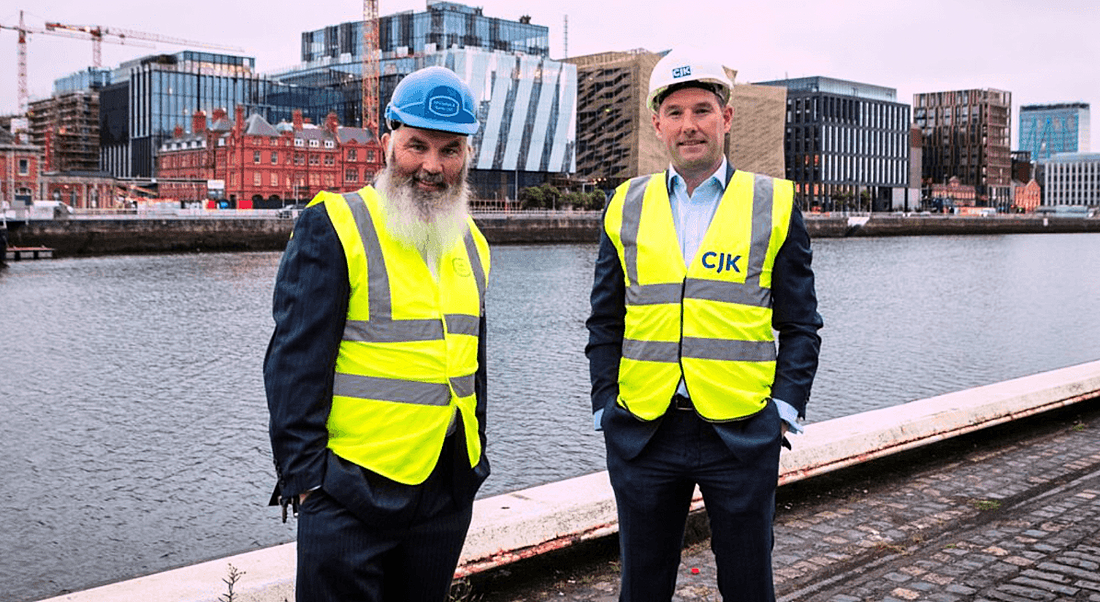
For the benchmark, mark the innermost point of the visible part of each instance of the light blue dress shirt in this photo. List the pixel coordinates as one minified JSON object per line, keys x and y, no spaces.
{"x":692,"y":214}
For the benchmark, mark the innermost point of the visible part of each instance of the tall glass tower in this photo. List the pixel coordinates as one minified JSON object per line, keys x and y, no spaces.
{"x":1046,"y":130}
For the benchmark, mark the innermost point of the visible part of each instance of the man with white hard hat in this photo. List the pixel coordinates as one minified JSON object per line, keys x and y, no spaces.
{"x":699,"y":267}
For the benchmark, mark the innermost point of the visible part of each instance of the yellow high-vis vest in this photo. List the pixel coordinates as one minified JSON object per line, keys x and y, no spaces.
{"x":709,"y":322}
{"x":408,"y":356}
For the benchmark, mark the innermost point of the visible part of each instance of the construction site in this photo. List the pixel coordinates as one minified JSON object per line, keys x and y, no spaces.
{"x":82,"y":143}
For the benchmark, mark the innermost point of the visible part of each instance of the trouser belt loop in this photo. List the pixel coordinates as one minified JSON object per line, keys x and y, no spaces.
{"x":679,"y":402}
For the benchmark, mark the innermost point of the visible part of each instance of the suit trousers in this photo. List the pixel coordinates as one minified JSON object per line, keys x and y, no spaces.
{"x":373,"y":540}
{"x":737,"y":473}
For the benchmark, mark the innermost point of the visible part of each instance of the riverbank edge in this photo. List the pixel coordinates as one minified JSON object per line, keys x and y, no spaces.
{"x":214,"y":233}
{"x":530,"y":522}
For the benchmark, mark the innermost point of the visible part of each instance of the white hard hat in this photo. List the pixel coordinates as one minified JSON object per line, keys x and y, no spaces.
{"x":678,"y":67}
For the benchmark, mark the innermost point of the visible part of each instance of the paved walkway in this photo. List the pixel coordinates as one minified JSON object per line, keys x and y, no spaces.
{"x":1008,"y":514}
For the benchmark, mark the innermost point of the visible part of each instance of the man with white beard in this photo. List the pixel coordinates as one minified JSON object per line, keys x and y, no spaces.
{"x":375,"y":374}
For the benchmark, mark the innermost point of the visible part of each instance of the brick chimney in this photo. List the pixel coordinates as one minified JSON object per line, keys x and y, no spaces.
{"x":178,"y":131}
{"x":219,"y":114}
{"x":238,"y":118}
{"x":198,"y":122}
{"x":331,"y":123}
{"x":297,"y":120}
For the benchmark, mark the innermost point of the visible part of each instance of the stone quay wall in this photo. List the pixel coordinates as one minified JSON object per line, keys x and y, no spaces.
{"x":85,"y":236}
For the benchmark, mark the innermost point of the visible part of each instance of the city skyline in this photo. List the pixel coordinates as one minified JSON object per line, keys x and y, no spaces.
{"x":1045,"y":56}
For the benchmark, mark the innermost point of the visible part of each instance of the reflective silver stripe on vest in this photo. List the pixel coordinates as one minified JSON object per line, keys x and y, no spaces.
{"x":651,"y":351}
{"x":653,"y":294}
{"x":378,"y":278}
{"x":463,"y":385}
{"x":393,"y":331}
{"x":462,"y":324}
{"x":763,"y":193}
{"x":391,"y":389}
{"x":729,"y":292}
{"x":475,"y":265}
{"x":699,"y":348}
{"x":728,"y":351}
{"x":632,"y":222}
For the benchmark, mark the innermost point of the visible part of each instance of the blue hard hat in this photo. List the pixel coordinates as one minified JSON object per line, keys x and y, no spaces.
{"x":434,"y":98}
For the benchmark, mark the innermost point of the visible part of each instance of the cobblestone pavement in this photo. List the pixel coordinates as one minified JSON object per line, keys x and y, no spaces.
{"x":1008,"y":514}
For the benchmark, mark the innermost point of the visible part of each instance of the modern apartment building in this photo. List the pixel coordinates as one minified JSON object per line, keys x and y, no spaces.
{"x":967,"y":134}
{"x":615,"y":137}
{"x":1072,"y":179}
{"x":846,"y":144}
{"x":1049,"y":129}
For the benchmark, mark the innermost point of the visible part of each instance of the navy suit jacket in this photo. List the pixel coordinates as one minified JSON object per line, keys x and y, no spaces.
{"x":794,"y":318}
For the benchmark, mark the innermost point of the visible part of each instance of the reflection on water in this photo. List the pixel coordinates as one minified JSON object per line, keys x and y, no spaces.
{"x":136,"y":428}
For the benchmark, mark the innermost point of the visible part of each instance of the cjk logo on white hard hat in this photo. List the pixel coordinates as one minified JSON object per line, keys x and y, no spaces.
{"x":679,"y":72}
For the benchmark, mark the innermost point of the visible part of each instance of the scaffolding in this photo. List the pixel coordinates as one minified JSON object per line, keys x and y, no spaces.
{"x":66,"y":127}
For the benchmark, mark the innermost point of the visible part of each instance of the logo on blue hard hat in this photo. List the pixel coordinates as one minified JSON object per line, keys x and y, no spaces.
{"x":441,"y":102}
{"x":679,"y":72}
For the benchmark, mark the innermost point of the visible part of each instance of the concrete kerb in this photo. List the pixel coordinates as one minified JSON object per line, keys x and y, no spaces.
{"x":532,"y":521}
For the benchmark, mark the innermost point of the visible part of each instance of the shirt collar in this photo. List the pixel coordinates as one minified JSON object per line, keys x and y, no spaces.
{"x":719,"y":176}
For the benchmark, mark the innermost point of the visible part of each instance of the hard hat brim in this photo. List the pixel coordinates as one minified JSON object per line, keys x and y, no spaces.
{"x":719,"y":88}
{"x":405,"y":118}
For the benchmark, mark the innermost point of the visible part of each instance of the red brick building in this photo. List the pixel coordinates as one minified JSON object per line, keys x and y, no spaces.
{"x":81,"y":190}
{"x":248,"y":163}
{"x":20,"y":164}
{"x":961,"y":195}
{"x":1026,"y":197}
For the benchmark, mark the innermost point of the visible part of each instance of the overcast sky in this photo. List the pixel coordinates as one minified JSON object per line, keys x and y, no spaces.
{"x":1041,"y":52}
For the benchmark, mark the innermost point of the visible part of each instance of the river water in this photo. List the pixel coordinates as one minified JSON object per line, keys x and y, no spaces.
{"x":134,"y":421}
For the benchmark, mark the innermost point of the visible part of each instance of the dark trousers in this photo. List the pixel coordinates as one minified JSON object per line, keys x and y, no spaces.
{"x":737,"y":473}
{"x":373,"y":540}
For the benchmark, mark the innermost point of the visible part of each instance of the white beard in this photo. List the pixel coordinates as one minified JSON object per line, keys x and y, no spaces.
{"x":430,"y":222}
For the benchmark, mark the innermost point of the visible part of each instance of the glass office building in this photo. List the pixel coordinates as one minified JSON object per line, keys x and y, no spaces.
{"x":526,"y":101}
{"x":91,"y":78}
{"x":527,"y":107}
{"x":1046,"y":130}
{"x":152,"y":95}
{"x":1072,"y":179}
{"x":443,"y":25}
{"x":846,"y":144}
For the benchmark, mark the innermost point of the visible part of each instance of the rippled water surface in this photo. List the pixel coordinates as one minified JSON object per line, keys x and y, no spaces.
{"x":135,"y":427}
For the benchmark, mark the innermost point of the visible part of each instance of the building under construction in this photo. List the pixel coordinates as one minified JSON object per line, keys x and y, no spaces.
{"x":615,"y":138}
{"x":66,"y":128}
